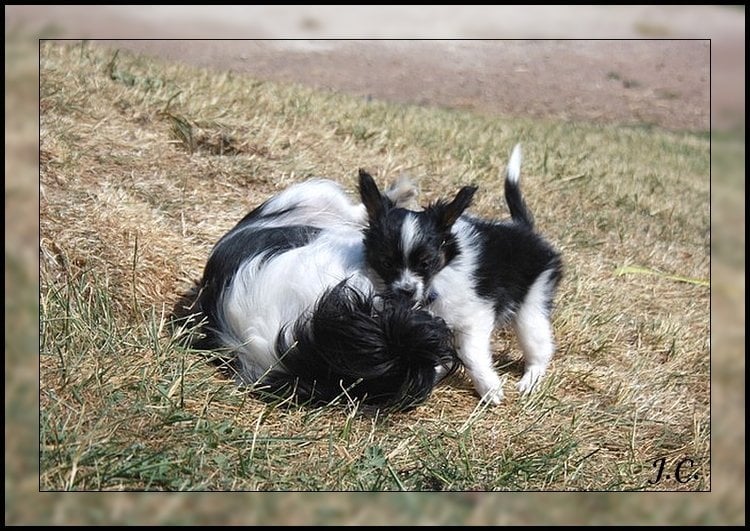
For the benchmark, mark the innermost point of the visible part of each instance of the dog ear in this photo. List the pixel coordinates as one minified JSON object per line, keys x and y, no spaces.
{"x":371,"y":197}
{"x":450,"y":212}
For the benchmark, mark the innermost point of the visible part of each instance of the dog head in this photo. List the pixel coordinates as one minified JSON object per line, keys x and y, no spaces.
{"x":406,"y":249}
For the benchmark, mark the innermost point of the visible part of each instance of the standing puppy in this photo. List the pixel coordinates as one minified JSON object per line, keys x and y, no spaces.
{"x":476,"y":274}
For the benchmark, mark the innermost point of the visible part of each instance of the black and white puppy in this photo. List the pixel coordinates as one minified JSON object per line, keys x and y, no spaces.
{"x":286,"y":295}
{"x":476,"y":274}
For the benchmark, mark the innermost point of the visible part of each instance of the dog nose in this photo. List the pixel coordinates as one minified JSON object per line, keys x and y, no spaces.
{"x":406,"y":292}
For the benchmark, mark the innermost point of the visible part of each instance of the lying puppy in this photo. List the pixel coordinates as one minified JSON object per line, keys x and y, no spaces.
{"x":285,"y":293}
{"x":475,"y":274}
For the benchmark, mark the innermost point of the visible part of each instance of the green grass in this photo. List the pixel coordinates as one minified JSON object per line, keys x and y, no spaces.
{"x":144,"y":165}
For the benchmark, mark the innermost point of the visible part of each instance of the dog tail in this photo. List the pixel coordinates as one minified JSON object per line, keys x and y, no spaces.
{"x":517,"y":206}
{"x":380,"y":352}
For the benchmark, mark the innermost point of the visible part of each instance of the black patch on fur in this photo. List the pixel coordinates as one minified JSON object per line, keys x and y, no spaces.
{"x":375,"y":202}
{"x":243,"y":243}
{"x":511,"y":257}
{"x":383,"y":249}
{"x":519,"y":212}
{"x":447,"y":213}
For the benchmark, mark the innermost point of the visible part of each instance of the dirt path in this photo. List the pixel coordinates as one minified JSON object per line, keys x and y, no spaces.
{"x":665,"y":83}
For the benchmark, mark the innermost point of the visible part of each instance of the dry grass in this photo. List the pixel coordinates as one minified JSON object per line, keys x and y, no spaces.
{"x":145,"y":165}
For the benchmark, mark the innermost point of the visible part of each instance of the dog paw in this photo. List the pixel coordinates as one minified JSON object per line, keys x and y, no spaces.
{"x":491,"y":391}
{"x":531,"y":378}
{"x":494,"y":396}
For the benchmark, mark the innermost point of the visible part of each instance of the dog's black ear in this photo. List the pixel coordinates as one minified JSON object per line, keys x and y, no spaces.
{"x":371,"y":197}
{"x":450,"y":212}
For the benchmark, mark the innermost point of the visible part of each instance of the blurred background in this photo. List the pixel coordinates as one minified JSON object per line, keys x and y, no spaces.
{"x":537,"y":78}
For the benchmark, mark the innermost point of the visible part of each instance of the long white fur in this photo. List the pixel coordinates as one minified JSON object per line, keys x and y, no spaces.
{"x":324,"y":204}
{"x":534,"y":332}
{"x":410,"y":236}
{"x":334,"y":256}
{"x":513,"y":170}
{"x":318,"y":203}
{"x":409,"y":233}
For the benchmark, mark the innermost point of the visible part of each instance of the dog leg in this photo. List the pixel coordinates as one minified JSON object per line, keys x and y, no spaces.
{"x":474,"y":351}
{"x":534,"y":331}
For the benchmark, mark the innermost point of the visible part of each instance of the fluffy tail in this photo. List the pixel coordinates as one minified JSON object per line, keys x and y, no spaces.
{"x":383,"y":353}
{"x":518,"y":210}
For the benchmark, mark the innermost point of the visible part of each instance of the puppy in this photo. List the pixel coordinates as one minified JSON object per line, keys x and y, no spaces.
{"x":476,"y":274}
{"x":285,"y":295}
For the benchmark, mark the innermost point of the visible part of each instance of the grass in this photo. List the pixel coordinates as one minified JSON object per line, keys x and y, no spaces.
{"x":144,"y":165}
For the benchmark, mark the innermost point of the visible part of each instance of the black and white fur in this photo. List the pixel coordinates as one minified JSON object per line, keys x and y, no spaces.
{"x":476,"y":274}
{"x":286,"y":295}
